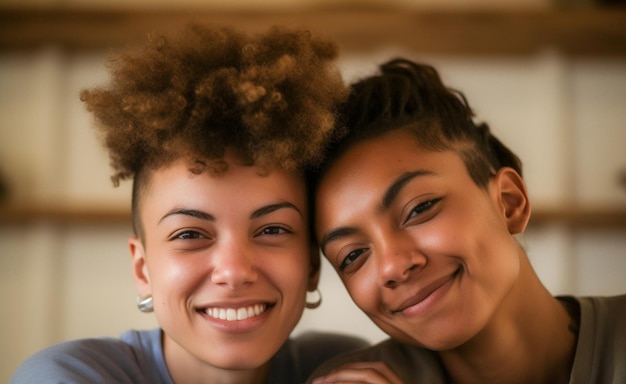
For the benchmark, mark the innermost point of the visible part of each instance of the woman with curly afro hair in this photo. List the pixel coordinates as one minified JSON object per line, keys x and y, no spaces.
{"x":216,"y":129}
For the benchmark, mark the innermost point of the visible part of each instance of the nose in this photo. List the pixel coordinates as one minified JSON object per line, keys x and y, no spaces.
{"x":233,"y":265}
{"x":398,"y":258}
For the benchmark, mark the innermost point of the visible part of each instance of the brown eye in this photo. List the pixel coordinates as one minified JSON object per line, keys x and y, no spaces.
{"x":187,"y":235}
{"x":423,"y":207}
{"x":274,"y":230}
{"x":351,"y":258}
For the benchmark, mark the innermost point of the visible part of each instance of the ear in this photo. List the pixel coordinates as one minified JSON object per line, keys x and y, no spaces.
{"x":314,"y":269}
{"x":512,"y":199}
{"x":140,"y":267}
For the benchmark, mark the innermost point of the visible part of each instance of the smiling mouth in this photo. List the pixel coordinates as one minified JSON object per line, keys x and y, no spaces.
{"x":235,"y":314}
{"x":426,"y":292}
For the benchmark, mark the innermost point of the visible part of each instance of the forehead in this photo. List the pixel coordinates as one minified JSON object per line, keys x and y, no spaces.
{"x":378,"y":161}
{"x":238,"y":185}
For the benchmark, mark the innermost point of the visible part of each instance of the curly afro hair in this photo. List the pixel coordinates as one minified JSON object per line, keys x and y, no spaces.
{"x":269,"y":97}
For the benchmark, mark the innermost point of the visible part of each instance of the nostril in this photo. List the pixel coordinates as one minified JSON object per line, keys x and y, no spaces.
{"x":390,"y":284}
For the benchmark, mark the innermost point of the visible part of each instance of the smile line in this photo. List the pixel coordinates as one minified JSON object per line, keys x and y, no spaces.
{"x":424,"y":293}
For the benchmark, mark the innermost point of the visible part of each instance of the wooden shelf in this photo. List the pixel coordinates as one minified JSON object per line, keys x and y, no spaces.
{"x":582,"y":217}
{"x":64,"y":214}
{"x":580,"y":31}
{"x":575,"y":32}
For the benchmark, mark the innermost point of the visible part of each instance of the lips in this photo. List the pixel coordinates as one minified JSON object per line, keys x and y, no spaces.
{"x":425,"y":292}
{"x":235,"y":314}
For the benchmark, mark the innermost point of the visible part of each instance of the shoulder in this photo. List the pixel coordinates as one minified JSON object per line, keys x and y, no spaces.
{"x":407,"y":361}
{"x":601,"y":348}
{"x":617,"y":301}
{"x":85,"y":361}
{"x":607,"y":311}
{"x":602,"y":319}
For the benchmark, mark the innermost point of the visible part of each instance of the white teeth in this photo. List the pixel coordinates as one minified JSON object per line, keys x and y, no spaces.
{"x":234,"y":314}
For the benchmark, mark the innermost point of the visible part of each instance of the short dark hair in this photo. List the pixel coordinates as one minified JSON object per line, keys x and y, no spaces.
{"x":412,"y":96}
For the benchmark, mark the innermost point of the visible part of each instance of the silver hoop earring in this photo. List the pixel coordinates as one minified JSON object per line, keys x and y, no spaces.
{"x":145,"y":305}
{"x":316,"y":303}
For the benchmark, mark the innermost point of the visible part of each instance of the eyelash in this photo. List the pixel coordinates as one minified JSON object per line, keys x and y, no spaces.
{"x":188,"y":235}
{"x":422,"y":208}
{"x":347,"y":261}
{"x":273,"y":230}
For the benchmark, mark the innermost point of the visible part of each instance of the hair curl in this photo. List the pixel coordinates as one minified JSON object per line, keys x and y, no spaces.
{"x":270,"y":97}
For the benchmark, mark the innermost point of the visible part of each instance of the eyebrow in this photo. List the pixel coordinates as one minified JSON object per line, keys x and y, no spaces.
{"x":188,"y":212}
{"x":207,"y":216}
{"x":394,"y":189}
{"x":274,"y":207}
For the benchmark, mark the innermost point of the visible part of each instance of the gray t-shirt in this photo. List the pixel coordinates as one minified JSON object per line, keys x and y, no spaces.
{"x":137,"y":357}
{"x":600,"y":351}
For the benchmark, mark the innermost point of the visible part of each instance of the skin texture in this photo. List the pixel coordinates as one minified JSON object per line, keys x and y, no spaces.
{"x":211,"y":243}
{"x":438,"y":224}
{"x":431,"y":258}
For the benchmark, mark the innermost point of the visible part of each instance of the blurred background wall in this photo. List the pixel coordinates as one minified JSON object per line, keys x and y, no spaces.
{"x":548,"y":76}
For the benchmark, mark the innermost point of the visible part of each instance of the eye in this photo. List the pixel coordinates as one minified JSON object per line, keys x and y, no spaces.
{"x":273,"y":230}
{"x":190,"y":240}
{"x":188,"y":235}
{"x":422,"y":208}
{"x":351,"y":259}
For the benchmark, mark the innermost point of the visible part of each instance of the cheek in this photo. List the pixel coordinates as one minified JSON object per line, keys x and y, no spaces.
{"x":297,"y":275}
{"x":171,"y":276}
{"x":288,"y":270}
{"x":440,"y":238}
{"x":453,"y":232}
{"x":363,"y":289}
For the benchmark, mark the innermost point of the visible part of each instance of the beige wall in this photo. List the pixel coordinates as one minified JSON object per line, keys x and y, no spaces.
{"x":564,"y":117}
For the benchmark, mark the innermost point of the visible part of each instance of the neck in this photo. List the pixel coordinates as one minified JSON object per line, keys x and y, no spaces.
{"x":529,"y":339}
{"x":185,"y":368}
